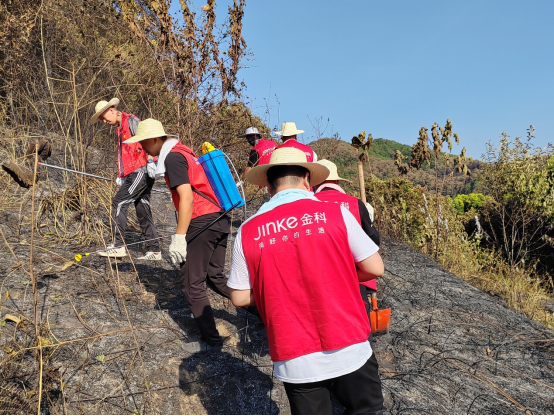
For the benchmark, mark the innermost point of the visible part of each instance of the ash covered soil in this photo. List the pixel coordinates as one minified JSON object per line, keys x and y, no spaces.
{"x":118,"y":338}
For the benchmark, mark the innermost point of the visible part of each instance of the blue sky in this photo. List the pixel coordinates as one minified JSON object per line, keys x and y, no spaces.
{"x":389,"y":67}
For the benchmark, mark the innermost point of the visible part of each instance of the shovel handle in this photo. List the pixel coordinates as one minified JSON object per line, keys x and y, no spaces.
{"x":374,"y":301}
{"x":361,"y":181}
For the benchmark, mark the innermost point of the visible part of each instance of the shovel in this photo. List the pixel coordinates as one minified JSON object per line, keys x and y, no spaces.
{"x":379,"y":319}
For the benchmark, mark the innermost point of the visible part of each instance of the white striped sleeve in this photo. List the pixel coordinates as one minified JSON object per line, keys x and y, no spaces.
{"x":361,"y":245}
{"x":239,"y":277}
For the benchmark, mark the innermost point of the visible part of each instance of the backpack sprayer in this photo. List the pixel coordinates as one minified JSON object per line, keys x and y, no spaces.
{"x":221,"y":180}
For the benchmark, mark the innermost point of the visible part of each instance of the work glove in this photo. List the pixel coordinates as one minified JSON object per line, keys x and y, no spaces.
{"x":151,"y":168}
{"x":120,"y":181}
{"x":178,"y":248}
{"x":370,"y":210}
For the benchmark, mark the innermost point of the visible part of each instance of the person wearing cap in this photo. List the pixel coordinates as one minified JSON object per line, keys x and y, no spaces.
{"x":289,"y":134}
{"x":197,"y":206}
{"x":293,"y":260}
{"x":330,"y":191}
{"x":133,"y":179}
{"x":261,"y":148}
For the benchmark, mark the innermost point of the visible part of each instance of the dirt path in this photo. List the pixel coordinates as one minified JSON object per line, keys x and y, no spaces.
{"x":120,"y":336}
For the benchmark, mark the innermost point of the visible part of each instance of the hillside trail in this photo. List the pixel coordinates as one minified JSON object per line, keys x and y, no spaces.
{"x":121,"y":337}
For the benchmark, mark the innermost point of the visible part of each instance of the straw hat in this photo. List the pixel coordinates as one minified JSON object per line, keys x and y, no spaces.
{"x":101,"y":107}
{"x":288,"y":128}
{"x":250,"y":131}
{"x":148,"y":129}
{"x":287,"y":156}
{"x":333,"y":175}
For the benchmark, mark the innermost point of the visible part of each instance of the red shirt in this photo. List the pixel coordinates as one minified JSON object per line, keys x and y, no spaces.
{"x":264,"y":148}
{"x":297,"y":145}
{"x":198,"y":180}
{"x":351,"y":204}
{"x":131,"y":156}
{"x":303,"y":279}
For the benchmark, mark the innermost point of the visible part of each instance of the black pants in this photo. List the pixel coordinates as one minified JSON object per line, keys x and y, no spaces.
{"x":136,"y":190}
{"x":204,"y":267}
{"x":359,"y":392}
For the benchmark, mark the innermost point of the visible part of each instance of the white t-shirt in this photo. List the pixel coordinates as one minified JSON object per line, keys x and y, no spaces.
{"x":322,"y":365}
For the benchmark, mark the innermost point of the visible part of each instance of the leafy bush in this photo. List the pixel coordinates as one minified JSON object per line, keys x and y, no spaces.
{"x":518,"y":219}
{"x":464,"y":203}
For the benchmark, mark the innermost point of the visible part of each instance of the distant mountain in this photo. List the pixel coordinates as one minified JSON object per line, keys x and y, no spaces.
{"x":386,"y":149}
{"x":382,"y":165}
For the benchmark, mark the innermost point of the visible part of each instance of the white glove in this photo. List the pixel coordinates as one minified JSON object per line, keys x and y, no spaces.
{"x":151,"y":168}
{"x":120,"y":181}
{"x":370,"y":210}
{"x":239,"y":184}
{"x":178,"y":248}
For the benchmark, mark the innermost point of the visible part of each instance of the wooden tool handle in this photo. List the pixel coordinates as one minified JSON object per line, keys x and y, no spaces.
{"x":361,"y":181}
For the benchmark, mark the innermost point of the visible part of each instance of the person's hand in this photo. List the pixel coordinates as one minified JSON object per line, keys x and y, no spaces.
{"x":178,"y":248}
{"x":120,"y":181}
{"x":239,"y":184}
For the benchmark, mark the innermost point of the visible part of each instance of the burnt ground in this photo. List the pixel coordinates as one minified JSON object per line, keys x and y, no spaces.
{"x":118,"y":338}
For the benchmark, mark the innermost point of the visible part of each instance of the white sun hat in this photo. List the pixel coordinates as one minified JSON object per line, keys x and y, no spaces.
{"x":334,"y":174}
{"x":101,"y":107}
{"x":251,"y":131}
{"x":288,"y":128}
{"x":148,"y":129}
{"x":287,"y":156}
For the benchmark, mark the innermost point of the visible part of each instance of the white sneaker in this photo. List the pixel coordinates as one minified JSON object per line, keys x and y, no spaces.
{"x":113,"y":252}
{"x":151,"y":255}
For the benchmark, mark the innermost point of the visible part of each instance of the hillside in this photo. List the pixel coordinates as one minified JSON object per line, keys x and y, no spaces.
{"x":346,"y":158}
{"x":386,"y":149}
{"x":119,"y":336}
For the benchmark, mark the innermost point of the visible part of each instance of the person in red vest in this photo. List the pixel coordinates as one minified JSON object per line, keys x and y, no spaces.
{"x":330,"y":191}
{"x":197,"y":205}
{"x":289,"y":134}
{"x":293,"y":260}
{"x":261,"y":148}
{"x":133,"y":179}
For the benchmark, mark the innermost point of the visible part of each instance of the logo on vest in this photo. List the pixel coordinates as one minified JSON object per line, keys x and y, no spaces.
{"x":285,"y":224}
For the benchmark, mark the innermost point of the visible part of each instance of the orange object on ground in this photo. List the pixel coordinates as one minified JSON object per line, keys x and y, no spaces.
{"x":380,"y":319}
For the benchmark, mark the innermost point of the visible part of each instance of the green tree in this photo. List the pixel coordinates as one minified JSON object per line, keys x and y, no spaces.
{"x":520,"y":179}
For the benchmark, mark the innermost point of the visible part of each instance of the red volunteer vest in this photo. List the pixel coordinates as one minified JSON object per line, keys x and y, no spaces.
{"x":264,"y":148}
{"x":351,"y":204}
{"x":306,"y":149}
{"x":198,"y":180}
{"x":304,"y":279}
{"x":130,"y":156}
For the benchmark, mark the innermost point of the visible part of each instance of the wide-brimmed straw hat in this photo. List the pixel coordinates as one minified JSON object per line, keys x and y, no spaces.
{"x":250,"y":131}
{"x":333,"y":171}
{"x":287,"y":156}
{"x":101,"y":107}
{"x":148,"y":129}
{"x":288,"y":128}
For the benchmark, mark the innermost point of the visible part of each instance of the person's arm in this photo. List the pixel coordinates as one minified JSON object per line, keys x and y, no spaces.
{"x":367,"y":224}
{"x":242,"y":297}
{"x":133,"y":122}
{"x":252,"y":161}
{"x":370,"y":268}
{"x":239,"y":277}
{"x":369,"y":264}
{"x":185,"y":208}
